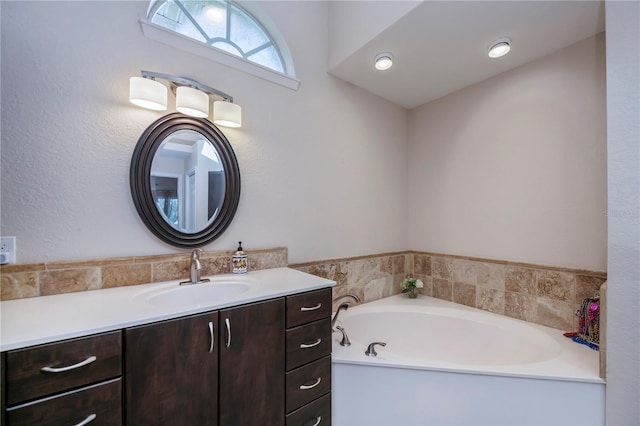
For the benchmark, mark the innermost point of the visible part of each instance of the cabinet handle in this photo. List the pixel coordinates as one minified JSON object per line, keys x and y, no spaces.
{"x":228,"y":324}
{"x":305,"y":387}
{"x":310,"y":345}
{"x":211,"y":335}
{"x":89,"y":419}
{"x":70,"y":367}
{"x":312,"y":308}
{"x":318,"y":420}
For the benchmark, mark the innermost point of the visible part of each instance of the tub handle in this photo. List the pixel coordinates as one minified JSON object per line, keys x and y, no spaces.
{"x":310,"y":345}
{"x":371,"y":350}
{"x":312,"y":308}
{"x":306,"y":387}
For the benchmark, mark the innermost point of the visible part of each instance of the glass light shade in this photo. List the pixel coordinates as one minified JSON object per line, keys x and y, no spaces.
{"x":383,"y":61}
{"x":227,"y":114}
{"x":499,"y":48}
{"x":148,"y":93}
{"x":192,"y":102}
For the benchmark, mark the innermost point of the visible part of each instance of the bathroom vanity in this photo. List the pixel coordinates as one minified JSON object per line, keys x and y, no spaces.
{"x":259,"y":354}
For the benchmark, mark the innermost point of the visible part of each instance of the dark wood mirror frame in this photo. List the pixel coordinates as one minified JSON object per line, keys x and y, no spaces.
{"x":140,"y":179}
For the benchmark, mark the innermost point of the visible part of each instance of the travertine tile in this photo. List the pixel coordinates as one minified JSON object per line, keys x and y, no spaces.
{"x":556,"y":285}
{"x":519,"y":305}
{"x":19,"y":285}
{"x":520,"y":280}
{"x":463,"y":271}
{"x":122,"y":275}
{"x":441,"y":267}
{"x":69,"y":280}
{"x":220,"y":264}
{"x":421,"y":264}
{"x":442,"y":289}
{"x":556,"y":314}
{"x":373,"y":290}
{"x":427,"y":290}
{"x":587,"y":286}
{"x":491,"y":275}
{"x":464,"y":294}
{"x":171,"y":270}
{"x":22,"y":267}
{"x":490,"y":299}
{"x":276,"y":258}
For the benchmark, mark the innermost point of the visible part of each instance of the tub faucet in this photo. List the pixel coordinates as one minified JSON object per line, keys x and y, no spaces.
{"x":371,"y":350}
{"x":196,"y":269}
{"x":345,"y":339}
{"x":343,"y":306}
{"x":351,"y":295}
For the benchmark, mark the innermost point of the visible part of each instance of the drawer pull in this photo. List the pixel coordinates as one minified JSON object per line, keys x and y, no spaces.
{"x":305,"y":387}
{"x":310,"y":345}
{"x":211,"y":335}
{"x":89,"y":419}
{"x":71,"y":367}
{"x":228,"y":324}
{"x":312,"y":308}
{"x":318,"y":420}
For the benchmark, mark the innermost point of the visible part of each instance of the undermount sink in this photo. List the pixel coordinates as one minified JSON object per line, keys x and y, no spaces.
{"x":196,"y":295}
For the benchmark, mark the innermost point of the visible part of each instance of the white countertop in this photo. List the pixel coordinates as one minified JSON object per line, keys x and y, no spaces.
{"x":45,"y":319}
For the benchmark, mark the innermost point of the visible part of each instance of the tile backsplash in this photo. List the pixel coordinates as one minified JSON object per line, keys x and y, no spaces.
{"x":42,"y":279}
{"x":540,"y":294}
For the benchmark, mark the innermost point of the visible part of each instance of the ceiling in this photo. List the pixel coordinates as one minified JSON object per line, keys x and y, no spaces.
{"x":441,"y":46}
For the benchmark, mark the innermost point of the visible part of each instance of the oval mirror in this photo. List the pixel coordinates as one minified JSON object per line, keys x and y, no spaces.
{"x":185,"y":180}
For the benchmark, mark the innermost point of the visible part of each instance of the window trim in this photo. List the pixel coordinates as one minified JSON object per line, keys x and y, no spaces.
{"x":171,"y":38}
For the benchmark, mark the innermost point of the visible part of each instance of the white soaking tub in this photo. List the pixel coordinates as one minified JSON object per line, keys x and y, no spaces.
{"x":448,"y":364}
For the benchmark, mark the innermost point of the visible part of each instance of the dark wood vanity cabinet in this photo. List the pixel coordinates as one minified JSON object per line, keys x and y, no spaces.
{"x":77,"y":381}
{"x":308,"y":363}
{"x":171,"y":372}
{"x":225,"y":367}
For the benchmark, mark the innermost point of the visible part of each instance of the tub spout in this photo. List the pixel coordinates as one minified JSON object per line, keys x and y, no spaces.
{"x":345,"y":339}
{"x":351,"y":295}
{"x":371,"y":350}
{"x":343,"y":306}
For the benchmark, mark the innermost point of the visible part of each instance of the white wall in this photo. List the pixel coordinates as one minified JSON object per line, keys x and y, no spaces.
{"x":323,"y":168}
{"x":514,"y":167}
{"x":623,"y":269}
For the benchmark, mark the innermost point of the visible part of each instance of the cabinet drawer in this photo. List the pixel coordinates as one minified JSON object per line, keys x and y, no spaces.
{"x":101,"y":402}
{"x":72,"y":364}
{"x":308,"y":342}
{"x":308,"y":383}
{"x":309,"y":306}
{"x":316,"y":413}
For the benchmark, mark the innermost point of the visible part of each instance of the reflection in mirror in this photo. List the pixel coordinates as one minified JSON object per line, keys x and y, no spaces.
{"x":187,"y":181}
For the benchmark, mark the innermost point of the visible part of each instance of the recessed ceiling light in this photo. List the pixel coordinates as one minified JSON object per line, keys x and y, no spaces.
{"x":383,"y":61}
{"x":500,"y":47}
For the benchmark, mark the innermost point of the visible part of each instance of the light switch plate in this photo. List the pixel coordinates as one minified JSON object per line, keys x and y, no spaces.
{"x":7,"y":250}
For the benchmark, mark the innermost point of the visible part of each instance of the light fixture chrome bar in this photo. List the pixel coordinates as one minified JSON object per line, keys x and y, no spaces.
{"x":187,"y":82}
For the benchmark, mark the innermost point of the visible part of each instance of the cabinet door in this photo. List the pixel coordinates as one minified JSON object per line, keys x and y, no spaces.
{"x":171,"y":372}
{"x":252,"y":352}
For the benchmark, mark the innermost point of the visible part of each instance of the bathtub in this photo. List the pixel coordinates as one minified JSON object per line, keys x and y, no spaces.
{"x":448,"y":364}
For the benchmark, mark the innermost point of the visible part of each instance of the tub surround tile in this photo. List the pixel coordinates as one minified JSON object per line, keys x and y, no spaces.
{"x":520,"y":280}
{"x":443,"y":289}
{"x":491,"y":275}
{"x":556,"y":285}
{"x":441,"y":267}
{"x":520,"y":305}
{"x":490,"y":299}
{"x":464,"y":271}
{"x":587,"y":286}
{"x":465,"y":294}
{"x":556,"y":314}
{"x":421,"y":264}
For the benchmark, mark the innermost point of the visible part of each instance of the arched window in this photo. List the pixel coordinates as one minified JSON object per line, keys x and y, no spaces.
{"x":224,"y":25}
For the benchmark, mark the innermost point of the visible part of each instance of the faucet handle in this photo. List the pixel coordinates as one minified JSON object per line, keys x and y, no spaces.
{"x":195,"y":254}
{"x":371,"y":350}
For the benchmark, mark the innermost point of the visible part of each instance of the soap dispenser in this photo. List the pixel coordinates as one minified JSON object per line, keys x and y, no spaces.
{"x":239,"y":260}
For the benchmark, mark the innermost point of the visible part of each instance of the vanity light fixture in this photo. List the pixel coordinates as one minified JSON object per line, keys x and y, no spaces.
{"x":383,"y":61}
{"x":500,"y":47}
{"x":192,"y":98}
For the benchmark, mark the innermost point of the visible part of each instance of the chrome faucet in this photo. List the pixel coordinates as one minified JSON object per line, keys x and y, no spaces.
{"x":345,"y":339}
{"x":371,"y":350}
{"x":196,"y":269}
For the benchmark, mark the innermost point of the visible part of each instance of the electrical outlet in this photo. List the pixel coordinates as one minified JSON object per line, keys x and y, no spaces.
{"x":7,"y":250}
